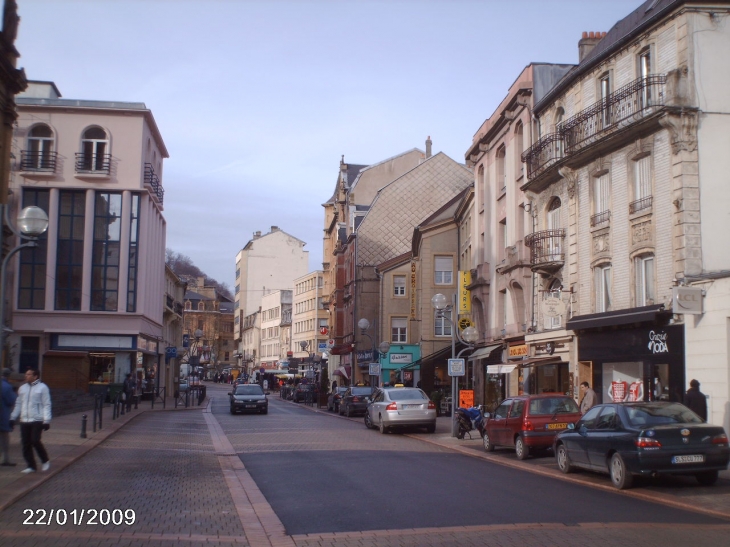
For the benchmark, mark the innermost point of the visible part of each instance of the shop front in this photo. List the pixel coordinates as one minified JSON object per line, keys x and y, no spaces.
{"x":490,"y":375}
{"x":545,"y":366}
{"x":634,"y":363}
{"x":400,"y":365}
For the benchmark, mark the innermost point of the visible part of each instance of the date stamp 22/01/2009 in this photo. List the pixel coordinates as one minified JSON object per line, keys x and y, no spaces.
{"x":80,"y":517}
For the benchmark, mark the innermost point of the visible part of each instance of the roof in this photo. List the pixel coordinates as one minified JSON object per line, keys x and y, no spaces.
{"x":192,"y":295}
{"x":277,"y":231}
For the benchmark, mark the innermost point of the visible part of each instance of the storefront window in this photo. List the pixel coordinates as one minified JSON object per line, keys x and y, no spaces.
{"x":552,"y":378}
{"x":628,"y":382}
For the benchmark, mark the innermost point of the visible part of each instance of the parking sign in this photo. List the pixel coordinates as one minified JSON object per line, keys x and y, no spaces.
{"x":456,"y":367}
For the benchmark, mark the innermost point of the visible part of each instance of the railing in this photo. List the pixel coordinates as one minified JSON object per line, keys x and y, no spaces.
{"x":98,"y":164}
{"x":38,"y":161}
{"x":640,"y":205}
{"x":169,"y":301}
{"x":625,"y":104}
{"x":546,"y":246}
{"x":152,"y":180}
{"x":600,"y":218}
{"x":544,"y":153}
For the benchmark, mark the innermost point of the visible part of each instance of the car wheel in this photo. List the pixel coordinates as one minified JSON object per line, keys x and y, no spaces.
{"x":487,"y":442}
{"x":620,"y":475}
{"x":563,"y":459}
{"x":707,"y":478}
{"x":348,"y":413}
{"x":383,"y":429}
{"x":521,"y":449}
{"x":431,"y":428}
{"x":265,"y":411}
{"x":232,"y":411}
{"x":368,"y":422}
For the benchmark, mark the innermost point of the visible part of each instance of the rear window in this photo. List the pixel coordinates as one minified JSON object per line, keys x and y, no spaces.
{"x":553,"y":405}
{"x":361,"y":391}
{"x":406,"y":395}
{"x":651,"y":415}
{"x":253,"y":389}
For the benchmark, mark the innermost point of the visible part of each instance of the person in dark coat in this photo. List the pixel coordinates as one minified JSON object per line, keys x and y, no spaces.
{"x":6,"y":407}
{"x":695,"y":400}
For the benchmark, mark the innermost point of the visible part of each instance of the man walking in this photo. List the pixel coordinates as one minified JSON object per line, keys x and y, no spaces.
{"x":130,"y":386}
{"x":589,"y":398}
{"x":33,"y":407}
{"x":695,"y":400}
{"x":8,"y":400}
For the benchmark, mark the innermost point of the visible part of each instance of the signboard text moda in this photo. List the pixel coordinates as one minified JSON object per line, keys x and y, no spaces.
{"x":401,"y":358}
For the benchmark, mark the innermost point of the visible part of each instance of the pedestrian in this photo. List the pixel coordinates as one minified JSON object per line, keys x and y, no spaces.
{"x":695,"y":400}
{"x":130,"y":386}
{"x":33,"y":407}
{"x":7,"y":402}
{"x":588,"y":400}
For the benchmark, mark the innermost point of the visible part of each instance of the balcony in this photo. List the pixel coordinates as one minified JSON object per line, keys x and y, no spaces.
{"x":93,"y":164}
{"x":153,"y":181}
{"x":546,"y":250}
{"x":543,"y":154}
{"x":640,"y":205}
{"x":38,"y":162}
{"x":600,"y":218}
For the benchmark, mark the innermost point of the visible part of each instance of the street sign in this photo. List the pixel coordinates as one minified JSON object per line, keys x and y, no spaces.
{"x":330,"y":343}
{"x":323,"y":330}
{"x":186,"y":340}
{"x":374,"y":369}
{"x":321,"y":346}
{"x":456,"y":367}
{"x":171,"y":352}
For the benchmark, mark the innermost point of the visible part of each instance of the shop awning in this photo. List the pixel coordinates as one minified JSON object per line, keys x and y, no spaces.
{"x":484,"y":352}
{"x":644,"y":314}
{"x":500,"y":369}
{"x":343,"y":371}
{"x":534,"y":361}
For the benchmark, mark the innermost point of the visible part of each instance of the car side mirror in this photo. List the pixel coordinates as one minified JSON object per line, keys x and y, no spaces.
{"x":571,"y":426}
{"x":583,"y":430}
{"x":487,"y":415}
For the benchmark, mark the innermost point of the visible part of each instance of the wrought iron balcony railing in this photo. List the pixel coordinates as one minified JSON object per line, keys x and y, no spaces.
{"x":98,"y":164}
{"x":546,"y":248}
{"x":544,"y":153}
{"x":38,"y":161}
{"x":600,"y":218}
{"x":153,"y":181}
{"x":622,"y":107}
{"x":640,"y":205}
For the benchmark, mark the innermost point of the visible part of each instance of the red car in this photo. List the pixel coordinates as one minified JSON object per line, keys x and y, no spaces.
{"x":529,"y":422}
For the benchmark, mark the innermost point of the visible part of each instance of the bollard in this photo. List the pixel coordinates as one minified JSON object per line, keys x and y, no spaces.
{"x":83,"y":426}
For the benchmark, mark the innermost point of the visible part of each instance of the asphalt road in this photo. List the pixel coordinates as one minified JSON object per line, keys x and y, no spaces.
{"x":322,"y":473}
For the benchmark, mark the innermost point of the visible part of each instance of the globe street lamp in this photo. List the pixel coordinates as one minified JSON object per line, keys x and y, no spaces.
{"x":469,"y":335}
{"x":32,"y":223}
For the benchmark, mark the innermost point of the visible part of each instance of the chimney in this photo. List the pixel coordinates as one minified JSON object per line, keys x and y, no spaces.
{"x":428,"y":147}
{"x":274,"y":228}
{"x":257,"y":235}
{"x":587,"y":42}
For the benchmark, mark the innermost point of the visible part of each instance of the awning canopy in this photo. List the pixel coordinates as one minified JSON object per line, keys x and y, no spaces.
{"x":343,"y":371}
{"x":443,"y":353}
{"x":534,"y":361}
{"x":484,"y":352}
{"x":644,"y":314}
{"x":500,"y":369}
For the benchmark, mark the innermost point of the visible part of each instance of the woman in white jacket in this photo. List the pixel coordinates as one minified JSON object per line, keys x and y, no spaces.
{"x":33,"y":407}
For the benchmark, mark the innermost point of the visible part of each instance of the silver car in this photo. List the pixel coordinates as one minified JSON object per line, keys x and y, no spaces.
{"x":393,"y":407}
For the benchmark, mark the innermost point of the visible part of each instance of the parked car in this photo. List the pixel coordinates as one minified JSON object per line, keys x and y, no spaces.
{"x":529,"y":422}
{"x":397,"y":407}
{"x":334,"y":398}
{"x":249,"y":397}
{"x":650,"y":438}
{"x":355,"y":400}
{"x":302,"y":392}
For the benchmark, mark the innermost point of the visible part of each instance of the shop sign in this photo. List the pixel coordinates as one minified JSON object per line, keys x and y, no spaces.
{"x":687,"y":300}
{"x":401,"y":358}
{"x":466,"y":398}
{"x":658,"y":342}
{"x":518,"y":351}
{"x":414,"y":299}
{"x":551,"y":306}
{"x":464,"y":293}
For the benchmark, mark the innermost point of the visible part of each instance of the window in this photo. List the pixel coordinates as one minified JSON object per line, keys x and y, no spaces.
{"x":603,"y":288}
{"x":444,"y":270}
{"x":601,"y":206}
{"x":133,"y":255}
{"x":519,"y":148}
{"x":644,"y":268}
{"x":644,"y":71}
{"x":94,"y":154}
{"x":70,"y":254}
{"x":399,"y":285}
{"x":555,"y":291}
{"x":501,"y":172}
{"x":39,"y":155}
{"x":554,"y":244}
{"x":642,"y":185}
{"x":442,"y":324}
{"x":605,"y":91}
{"x":32,"y":278}
{"x":105,"y":251}
{"x":399,"y":330}
{"x":188,"y":306}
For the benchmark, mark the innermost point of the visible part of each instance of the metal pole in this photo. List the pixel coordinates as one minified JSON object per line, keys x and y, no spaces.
{"x":454,"y":394}
{"x":3,"y":282}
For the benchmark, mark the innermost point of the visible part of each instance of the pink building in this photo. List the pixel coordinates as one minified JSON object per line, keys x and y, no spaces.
{"x":86,"y":306}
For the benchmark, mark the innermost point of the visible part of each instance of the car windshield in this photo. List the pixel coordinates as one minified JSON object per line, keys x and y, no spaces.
{"x":252,"y":389}
{"x":405,"y":395}
{"x":553,"y":405}
{"x":361,"y":391}
{"x":650,"y":415}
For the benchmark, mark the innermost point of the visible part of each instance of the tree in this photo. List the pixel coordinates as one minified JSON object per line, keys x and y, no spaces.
{"x":183,"y":266}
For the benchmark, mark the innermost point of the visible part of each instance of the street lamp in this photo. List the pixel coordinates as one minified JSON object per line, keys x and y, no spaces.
{"x":470,"y":335}
{"x":32,"y":223}
{"x":364,"y":325}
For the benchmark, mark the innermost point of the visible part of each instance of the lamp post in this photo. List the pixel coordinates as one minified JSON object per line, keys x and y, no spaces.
{"x":470,"y":335}
{"x":364,"y":325}
{"x":32,"y":223}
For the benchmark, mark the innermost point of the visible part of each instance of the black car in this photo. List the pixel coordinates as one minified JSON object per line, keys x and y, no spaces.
{"x":334,"y":398}
{"x":650,"y":438}
{"x":249,"y":397}
{"x":304,"y":393}
{"x":355,"y":400}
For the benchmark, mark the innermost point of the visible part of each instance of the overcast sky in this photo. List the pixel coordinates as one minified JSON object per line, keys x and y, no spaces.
{"x":258,"y":100}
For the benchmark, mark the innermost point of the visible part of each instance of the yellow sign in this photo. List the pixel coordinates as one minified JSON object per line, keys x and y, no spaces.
{"x":518,"y":351}
{"x":464,"y":293}
{"x":465,"y":322}
{"x":466,"y":398}
{"x":414,"y":298}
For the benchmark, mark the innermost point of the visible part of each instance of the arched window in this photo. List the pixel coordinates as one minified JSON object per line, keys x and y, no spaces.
{"x":40,"y":154}
{"x":94,"y":154}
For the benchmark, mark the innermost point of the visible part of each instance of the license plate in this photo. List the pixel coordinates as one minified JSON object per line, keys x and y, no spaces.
{"x":556,"y":426}
{"x":250,"y":406}
{"x":410,"y":406}
{"x":699,"y":458}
